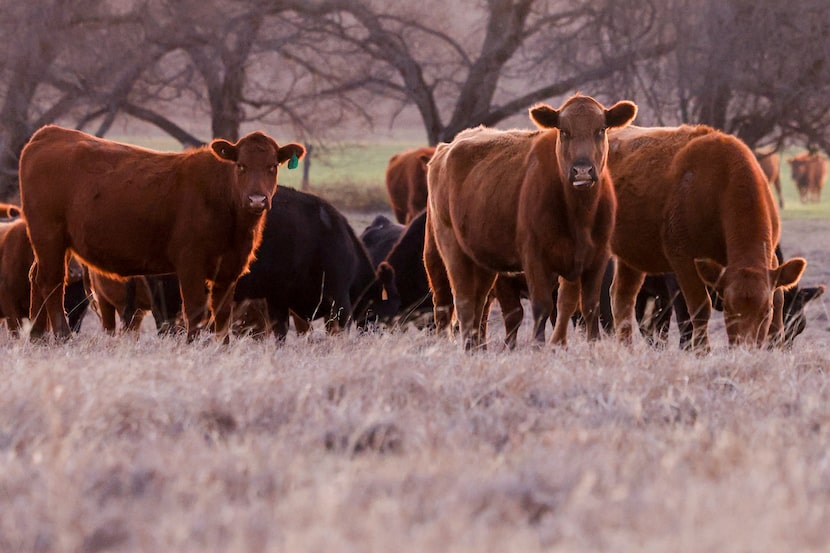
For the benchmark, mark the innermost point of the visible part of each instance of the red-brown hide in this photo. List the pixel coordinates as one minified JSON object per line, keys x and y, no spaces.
{"x":130,"y":211}
{"x":406,"y":182}
{"x":809,"y":172}
{"x":694,"y":201}
{"x":540,"y":202}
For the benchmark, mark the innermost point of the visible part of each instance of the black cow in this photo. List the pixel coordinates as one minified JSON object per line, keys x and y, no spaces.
{"x":406,"y":257}
{"x":311,"y":262}
{"x":380,"y":236}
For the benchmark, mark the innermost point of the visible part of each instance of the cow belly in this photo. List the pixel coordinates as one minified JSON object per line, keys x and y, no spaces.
{"x":123,"y":251}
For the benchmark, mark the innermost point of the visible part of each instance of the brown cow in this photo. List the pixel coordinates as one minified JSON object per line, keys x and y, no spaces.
{"x":693,"y":201}
{"x":770,"y":163}
{"x":406,"y":183}
{"x":16,"y":258}
{"x":129,"y":211}
{"x":8,"y":211}
{"x":540,"y":202}
{"x":809,"y":171}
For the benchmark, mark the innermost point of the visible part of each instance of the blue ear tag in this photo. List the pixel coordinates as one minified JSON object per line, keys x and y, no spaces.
{"x":293,"y":162}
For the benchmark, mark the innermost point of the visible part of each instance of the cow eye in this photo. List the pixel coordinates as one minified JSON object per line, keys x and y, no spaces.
{"x":565,"y":135}
{"x":241,"y":168}
{"x":600,"y":133}
{"x":272,"y":169}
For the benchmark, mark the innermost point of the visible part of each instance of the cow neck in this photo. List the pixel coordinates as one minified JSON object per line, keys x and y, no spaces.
{"x":582,"y":210}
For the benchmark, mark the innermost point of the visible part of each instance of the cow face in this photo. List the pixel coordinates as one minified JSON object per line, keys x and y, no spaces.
{"x":582,"y":146}
{"x":747,"y":295}
{"x":257,"y":158}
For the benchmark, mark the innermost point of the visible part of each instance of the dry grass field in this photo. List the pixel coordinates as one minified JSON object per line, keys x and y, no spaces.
{"x":401,"y":442}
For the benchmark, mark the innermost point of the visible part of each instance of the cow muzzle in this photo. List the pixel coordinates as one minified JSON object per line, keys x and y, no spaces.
{"x":582,"y":175}
{"x":257,"y":203}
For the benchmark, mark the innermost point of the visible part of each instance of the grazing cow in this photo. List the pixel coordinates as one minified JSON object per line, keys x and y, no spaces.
{"x":539,"y":202}
{"x":796,"y":299}
{"x":129,"y":211}
{"x":8,"y":211}
{"x":770,"y":163}
{"x":809,"y":171}
{"x":311,"y":262}
{"x":131,"y":298}
{"x":16,"y":258}
{"x":406,"y":182}
{"x":693,"y":201}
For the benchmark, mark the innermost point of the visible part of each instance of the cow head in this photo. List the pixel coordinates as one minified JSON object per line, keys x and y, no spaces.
{"x":257,"y":158}
{"x":582,"y":145}
{"x":746,"y":293}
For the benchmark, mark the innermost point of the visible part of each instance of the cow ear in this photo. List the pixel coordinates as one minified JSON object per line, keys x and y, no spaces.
{"x":709,"y":271}
{"x":788,"y":274}
{"x":289,"y":151}
{"x":224,"y":150}
{"x":620,"y":114}
{"x":544,"y":116}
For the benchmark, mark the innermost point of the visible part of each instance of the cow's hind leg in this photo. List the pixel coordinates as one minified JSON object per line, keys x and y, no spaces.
{"x":624,"y":289}
{"x":46,"y":306}
{"x":698,"y":304}
{"x":472,"y":286}
{"x":439,"y":282}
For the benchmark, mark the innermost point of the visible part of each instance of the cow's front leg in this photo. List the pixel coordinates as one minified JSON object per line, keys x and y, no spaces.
{"x":566,"y":305}
{"x":221,"y":305}
{"x":591,"y":284}
{"x":194,"y":302}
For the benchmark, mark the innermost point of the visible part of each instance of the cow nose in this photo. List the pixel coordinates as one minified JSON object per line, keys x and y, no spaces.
{"x":258,"y":202}
{"x":583,"y":174}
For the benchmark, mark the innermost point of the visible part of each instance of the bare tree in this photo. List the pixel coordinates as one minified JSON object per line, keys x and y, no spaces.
{"x":754,"y":68}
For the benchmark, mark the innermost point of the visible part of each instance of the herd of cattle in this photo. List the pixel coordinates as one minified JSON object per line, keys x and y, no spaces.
{"x":591,"y":219}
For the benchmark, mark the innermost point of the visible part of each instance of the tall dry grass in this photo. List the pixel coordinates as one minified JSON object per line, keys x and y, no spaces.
{"x":401,"y":442}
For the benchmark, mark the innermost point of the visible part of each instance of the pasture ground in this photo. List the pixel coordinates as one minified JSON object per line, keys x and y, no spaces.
{"x":400,"y":442}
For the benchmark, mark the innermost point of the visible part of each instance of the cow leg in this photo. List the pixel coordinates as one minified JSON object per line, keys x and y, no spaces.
{"x":624,"y":289}
{"x":698,"y":304}
{"x":194,"y":302}
{"x":471,"y":286}
{"x":278,"y":321}
{"x":591,"y":284}
{"x":508,"y":294}
{"x":107,"y":312}
{"x":566,"y":305}
{"x":221,"y":305}
{"x":541,"y":287}
{"x":439,"y":281}
{"x":47,"y":292}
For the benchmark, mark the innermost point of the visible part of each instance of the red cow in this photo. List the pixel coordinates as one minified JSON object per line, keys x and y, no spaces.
{"x":16,"y":258}
{"x":693,"y":201}
{"x":770,"y":163}
{"x":406,"y":182}
{"x":540,"y":202}
{"x":128,"y":211}
{"x":809,"y":172}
